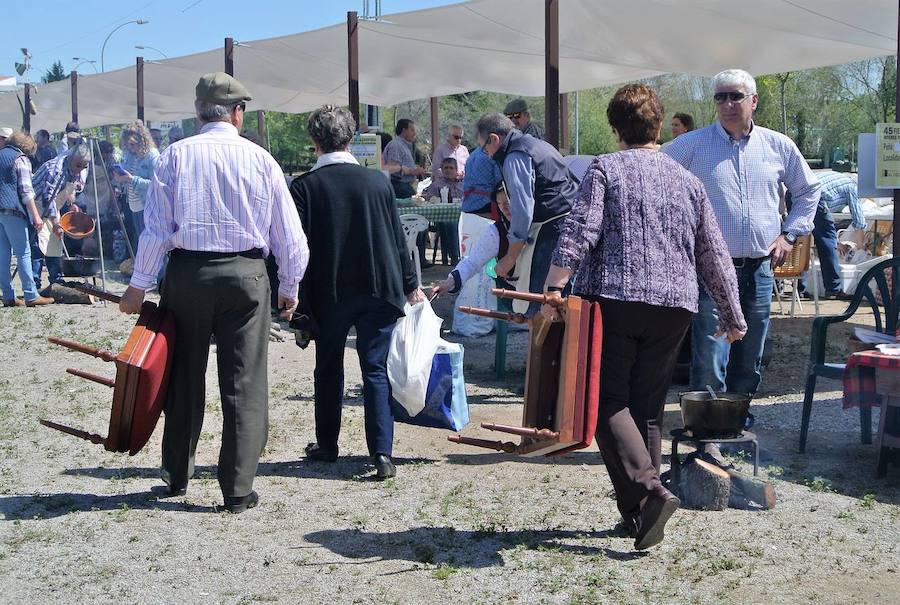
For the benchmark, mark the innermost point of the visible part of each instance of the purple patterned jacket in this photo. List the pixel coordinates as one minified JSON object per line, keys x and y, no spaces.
{"x":642,"y":230}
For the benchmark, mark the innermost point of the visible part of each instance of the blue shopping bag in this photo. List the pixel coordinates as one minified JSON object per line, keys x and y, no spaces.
{"x":445,"y":397}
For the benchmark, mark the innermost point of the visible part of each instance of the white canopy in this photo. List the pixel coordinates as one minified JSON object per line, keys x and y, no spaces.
{"x":495,"y":45}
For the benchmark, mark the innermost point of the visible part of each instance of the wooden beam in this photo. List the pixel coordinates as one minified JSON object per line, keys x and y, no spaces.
{"x":564,"y":146}
{"x":353,"y":64}
{"x":229,"y":56}
{"x":26,"y":114}
{"x":73,"y":79}
{"x":435,"y":134}
{"x":139,"y":73}
{"x":551,"y":69}
{"x":261,"y":127}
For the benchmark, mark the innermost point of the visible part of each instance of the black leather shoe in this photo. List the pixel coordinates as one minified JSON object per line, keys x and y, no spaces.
{"x":655,"y":512}
{"x":236,"y":505}
{"x":167,"y":491}
{"x":384,"y":468}
{"x":314,"y":452}
{"x":629,"y":524}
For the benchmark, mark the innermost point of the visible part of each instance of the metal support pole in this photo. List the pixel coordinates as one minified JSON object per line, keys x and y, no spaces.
{"x":229,"y":56}
{"x":261,"y":127}
{"x":564,"y":124}
{"x":353,"y":64}
{"x":433,"y":103}
{"x":95,"y":161}
{"x":577,"y":124}
{"x":73,"y":79}
{"x":26,"y":114}
{"x":551,"y":65}
{"x":139,"y":72}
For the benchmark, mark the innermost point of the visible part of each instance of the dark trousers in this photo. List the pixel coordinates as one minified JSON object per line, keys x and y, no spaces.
{"x":226,"y":296}
{"x":374,"y":320}
{"x":640,"y":346}
{"x":825,"y":235}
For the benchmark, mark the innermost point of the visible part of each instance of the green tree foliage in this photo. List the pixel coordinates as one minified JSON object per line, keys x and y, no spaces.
{"x":56,"y":73}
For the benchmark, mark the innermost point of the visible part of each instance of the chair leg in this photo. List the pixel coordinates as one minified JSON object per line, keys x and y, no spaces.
{"x":807,"y":410}
{"x":778,"y":298}
{"x":865,"y":423}
{"x":500,"y":348}
{"x":437,"y":241}
{"x":814,"y":278}
{"x":415,"y":254}
{"x":795,"y":295}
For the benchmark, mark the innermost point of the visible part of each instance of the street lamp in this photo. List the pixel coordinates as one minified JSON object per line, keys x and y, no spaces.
{"x":165,"y":56}
{"x":82,"y":61}
{"x":103,"y":48}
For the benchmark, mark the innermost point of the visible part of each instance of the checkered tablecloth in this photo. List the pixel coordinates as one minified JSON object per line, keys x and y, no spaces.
{"x":859,"y":377}
{"x":435,"y":213}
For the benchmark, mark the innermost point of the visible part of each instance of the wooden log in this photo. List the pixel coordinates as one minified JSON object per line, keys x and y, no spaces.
{"x":747,"y":490}
{"x":703,"y":485}
{"x":63,"y":294}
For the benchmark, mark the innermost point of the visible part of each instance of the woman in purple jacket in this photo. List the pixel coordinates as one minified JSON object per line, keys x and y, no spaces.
{"x":639,"y":234}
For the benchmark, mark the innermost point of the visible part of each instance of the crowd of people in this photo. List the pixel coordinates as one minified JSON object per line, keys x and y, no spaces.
{"x":669,"y":240}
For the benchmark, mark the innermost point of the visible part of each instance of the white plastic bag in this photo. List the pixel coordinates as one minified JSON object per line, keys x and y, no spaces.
{"x":413,"y":344}
{"x":477,"y":291}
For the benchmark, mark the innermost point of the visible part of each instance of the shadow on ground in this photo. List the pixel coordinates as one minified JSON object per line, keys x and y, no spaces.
{"x":457,"y":548}
{"x":48,"y":506}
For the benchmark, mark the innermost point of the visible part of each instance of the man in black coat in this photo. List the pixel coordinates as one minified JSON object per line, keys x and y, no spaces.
{"x":360,"y":275}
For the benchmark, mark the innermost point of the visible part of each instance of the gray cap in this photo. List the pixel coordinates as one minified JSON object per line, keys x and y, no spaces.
{"x":516,"y":106}
{"x":221,"y":89}
{"x":5,"y":132}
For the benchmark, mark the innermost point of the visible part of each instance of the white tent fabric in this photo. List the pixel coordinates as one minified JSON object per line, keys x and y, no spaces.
{"x":495,"y":45}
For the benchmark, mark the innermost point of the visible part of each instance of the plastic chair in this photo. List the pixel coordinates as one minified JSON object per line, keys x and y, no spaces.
{"x":412,"y":224}
{"x":797,"y":263}
{"x":835,"y":371}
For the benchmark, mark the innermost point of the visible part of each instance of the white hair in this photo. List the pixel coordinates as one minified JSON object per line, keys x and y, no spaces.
{"x":80,"y":151}
{"x":454,"y":127}
{"x":735,"y":77}
{"x":212,"y":112}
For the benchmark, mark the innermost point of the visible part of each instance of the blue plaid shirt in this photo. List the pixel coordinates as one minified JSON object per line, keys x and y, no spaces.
{"x":839,"y":190}
{"x":743,"y":179}
{"x":481,"y":177}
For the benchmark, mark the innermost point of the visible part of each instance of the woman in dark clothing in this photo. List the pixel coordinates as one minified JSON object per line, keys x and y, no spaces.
{"x":359,"y":275}
{"x":640,"y":232}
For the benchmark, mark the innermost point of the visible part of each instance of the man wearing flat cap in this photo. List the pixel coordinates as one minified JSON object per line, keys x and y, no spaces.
{"x":218,"y":204}
{"x":5,"y":133}
{"x":517,"y":111}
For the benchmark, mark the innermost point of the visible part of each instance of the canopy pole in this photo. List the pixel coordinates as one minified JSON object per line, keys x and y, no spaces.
{"x":229,"y":56}
{"x":433,"y":102}
{"x":551,"y":65}
{"x":26,"y":114}
{"x":564,"y":124}
{"x":895,"y":247}
{"x":139,"y":71}
{"x":577,"y":124}
{"x":73,"y":78}
{"x":353,"y":64}
{"x":261,"y":127}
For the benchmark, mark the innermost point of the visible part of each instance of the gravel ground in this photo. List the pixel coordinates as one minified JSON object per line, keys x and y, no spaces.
{"x":78,"y":524}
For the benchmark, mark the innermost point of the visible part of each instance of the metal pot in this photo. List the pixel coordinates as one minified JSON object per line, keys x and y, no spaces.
{"x":725,"y":415}
{"x":79,"y":266}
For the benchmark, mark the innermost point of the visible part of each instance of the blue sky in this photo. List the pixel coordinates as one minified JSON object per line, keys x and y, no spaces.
{"x":61,"y":29}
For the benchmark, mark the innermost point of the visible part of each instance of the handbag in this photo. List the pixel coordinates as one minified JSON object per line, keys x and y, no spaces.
{"x":446,"y":406}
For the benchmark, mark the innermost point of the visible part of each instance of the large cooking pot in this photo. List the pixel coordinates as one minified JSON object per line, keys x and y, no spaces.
{"x":77,"y":225}
{"x":725,"y":415}
{"x":79,"y":266}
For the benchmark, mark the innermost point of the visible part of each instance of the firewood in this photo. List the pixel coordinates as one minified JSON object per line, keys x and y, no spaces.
{"x":747,"y":490}
{"x":63,"y":294}
{"x":703,"y":485}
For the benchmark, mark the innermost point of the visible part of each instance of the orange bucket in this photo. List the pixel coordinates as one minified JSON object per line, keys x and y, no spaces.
{"x":77,"y":225}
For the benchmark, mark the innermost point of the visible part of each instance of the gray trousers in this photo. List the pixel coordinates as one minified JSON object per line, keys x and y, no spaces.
{"x":226,"y":296}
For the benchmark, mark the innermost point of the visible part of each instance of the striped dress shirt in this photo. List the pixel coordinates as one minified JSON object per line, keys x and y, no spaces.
{"x":218,"y":192}
{"x":50,"y":179}
{"x":743,"y":181}
{"x":22,"y":167}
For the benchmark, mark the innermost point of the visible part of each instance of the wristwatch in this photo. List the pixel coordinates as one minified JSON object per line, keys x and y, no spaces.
{"x":789,"y":237}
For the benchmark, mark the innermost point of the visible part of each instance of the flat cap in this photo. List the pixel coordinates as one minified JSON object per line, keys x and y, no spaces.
{"x":221,"y":89}
{"x":516,"y":106}
{"x":5,"y":132}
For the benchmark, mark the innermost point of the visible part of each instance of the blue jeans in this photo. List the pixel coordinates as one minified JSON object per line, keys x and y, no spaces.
{"x":736,"y":367}
{"x":137,"y":220}
{"x":449,"y":232}
{"x":14,"y":240}
{"x":825,"y":234}
{"x":374,"y":320}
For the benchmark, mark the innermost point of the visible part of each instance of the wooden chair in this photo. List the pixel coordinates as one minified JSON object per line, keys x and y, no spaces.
{"x":412,"y":225}
{"x":797,"y":263}
{"x":888,"y":325}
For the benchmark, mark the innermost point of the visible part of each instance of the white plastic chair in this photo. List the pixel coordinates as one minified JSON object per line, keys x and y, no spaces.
{"x":412,"y":225}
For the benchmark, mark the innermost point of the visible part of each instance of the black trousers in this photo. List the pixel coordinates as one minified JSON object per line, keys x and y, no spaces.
{"x":226,"y":296}
{"x":640,"y":346}
{"x":374,"y":321}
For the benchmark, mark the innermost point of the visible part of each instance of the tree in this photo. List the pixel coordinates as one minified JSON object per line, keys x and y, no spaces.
{"x":56,"y":73}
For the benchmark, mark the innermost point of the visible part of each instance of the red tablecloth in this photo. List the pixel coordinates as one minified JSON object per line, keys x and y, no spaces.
{"x":859,"y":377}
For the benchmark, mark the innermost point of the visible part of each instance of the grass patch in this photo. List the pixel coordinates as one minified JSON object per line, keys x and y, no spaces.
{"x":443,"y":572}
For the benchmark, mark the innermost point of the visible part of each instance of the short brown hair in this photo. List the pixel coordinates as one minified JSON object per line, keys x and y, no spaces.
{"x":686,"y":119}
{"x":23,"y":141}
{"x":636,"y":113}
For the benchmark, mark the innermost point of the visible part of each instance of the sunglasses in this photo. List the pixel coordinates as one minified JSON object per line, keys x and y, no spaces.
{"x":458,"y":137}
{"x":734,"y":96}
{"x":514,"y":116}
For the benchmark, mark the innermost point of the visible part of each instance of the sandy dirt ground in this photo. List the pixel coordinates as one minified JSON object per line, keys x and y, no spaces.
{"x":79,"y":525}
